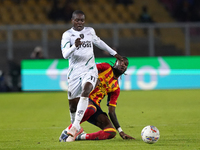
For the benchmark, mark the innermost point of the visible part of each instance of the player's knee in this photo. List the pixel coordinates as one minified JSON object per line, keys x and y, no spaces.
{"x":92,"y":108}
{"x":85,"y":93}
{"x":111,"y":131}
{"x":72,"y":109}
{"x":112,"y":135}
{"x":73,"y":105}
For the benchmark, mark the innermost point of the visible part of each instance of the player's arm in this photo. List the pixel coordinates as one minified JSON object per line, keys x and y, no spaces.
{"x":101,"y":67}
{"x":115,"y":122}
{"x":113,"y":117}
{"x":102,"y":45}
{"x":66,"y":48}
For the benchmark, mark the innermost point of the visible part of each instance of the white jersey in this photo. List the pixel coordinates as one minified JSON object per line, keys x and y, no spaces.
{"x":82,"y":67}
{"x":81,"y":58}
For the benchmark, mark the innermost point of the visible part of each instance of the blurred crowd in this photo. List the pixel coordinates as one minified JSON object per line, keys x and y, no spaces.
{"x":184,"y":10}
{"x":11,"y":81}
{"x":61,"y":10}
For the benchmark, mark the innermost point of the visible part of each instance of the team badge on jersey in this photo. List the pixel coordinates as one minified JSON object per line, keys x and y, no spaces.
{"x":82,"y":36}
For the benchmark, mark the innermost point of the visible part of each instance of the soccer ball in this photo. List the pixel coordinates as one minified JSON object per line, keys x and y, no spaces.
{"x":150,"y":134}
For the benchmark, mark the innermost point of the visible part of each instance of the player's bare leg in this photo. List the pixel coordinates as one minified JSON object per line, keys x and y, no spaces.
{"x":72,"y":108}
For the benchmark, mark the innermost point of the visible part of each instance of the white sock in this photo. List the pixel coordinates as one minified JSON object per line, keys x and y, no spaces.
{"x":81,"y":108}
{"x":72,"y":116}
{"x":81,"y":136}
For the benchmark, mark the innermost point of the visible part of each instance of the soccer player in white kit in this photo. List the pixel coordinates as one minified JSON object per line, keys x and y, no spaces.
{"x":77,"y":47}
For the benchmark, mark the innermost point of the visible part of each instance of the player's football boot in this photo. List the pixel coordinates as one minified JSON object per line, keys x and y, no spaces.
{"x":73,"y":133}
{"x":63,"y":136}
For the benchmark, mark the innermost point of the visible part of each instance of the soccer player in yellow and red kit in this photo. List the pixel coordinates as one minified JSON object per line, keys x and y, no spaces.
{"x":107,"y":85}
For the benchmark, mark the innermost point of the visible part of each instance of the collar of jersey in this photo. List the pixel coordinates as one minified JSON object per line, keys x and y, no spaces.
{"x":78,"y":31}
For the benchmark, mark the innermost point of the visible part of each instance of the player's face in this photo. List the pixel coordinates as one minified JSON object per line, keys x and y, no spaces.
{"x":78,"y":22}
{"x":121,"y":67}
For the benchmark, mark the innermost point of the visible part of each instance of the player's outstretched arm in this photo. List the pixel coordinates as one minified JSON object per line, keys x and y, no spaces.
{"x":115,"y":122}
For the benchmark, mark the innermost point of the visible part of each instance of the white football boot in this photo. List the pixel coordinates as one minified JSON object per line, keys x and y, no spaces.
{"x":73,"y":133}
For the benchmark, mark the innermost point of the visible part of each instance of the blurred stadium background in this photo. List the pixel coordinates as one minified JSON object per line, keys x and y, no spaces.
{"x":173,"y":29}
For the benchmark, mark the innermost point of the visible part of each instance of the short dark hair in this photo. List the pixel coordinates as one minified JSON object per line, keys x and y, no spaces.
{"x":77,"y":12}
{"x":125,"y":58}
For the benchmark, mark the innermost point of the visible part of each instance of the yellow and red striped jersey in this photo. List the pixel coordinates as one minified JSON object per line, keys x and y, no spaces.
{"x":108,"y":86}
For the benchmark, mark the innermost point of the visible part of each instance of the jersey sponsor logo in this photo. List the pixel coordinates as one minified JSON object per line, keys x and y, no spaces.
{"x":85,"y":44}
{"x":102,"y":89}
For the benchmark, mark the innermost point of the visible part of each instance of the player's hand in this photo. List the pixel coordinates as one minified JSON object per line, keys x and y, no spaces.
{"x":125,"y":136}
{"x":78,"y":42}
{"x":119,"y":58}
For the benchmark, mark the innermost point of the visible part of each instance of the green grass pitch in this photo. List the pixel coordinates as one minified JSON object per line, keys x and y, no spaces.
{"x":34,"y":121}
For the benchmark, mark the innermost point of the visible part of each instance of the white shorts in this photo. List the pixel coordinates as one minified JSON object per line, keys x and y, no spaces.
{"x":76,"y":82}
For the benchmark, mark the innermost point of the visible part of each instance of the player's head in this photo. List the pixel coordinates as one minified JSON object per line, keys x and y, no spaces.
{"x":120,"y":68}
{"x":78,"y":20}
